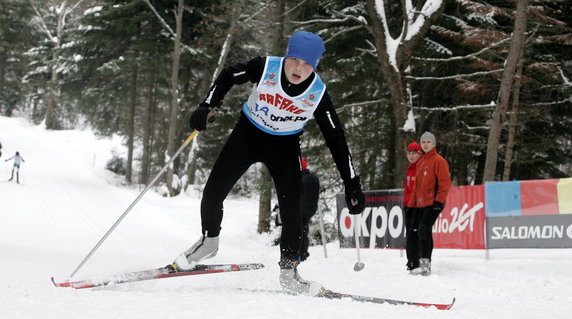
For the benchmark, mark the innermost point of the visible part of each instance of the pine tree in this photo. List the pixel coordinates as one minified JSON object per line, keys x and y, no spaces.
{"x":16,"y":37}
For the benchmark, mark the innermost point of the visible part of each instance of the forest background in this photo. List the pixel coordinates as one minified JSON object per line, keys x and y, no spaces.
{"x":491,"y":79}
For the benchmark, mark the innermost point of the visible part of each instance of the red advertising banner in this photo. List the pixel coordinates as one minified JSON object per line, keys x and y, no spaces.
{"x":539,"y":197}
{"x":461,"y":225}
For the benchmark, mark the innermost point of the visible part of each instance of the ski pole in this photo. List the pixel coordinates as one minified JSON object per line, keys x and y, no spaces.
{"x":189,"y":139}
{"x":358,"y":265}
{"x":323,"y":233}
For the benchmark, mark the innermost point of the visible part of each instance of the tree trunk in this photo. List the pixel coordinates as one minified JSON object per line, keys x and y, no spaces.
{"x":130,"y":121}
{"x":192,"y":165}
{"x":146,"y":140}
{"x":50,"y":116}
{"x":174,"y":104}
{"x":392,"y":67}
{"x":516,"y":46}
{"x":204,"y":85}
{"x":372,"y":171}
{"x":264,"y":203}
{"x":3,"y":58}
{"x":228,"y":41}
{"x":265,"y":200}
{"x":52,"y":121}
{"x":513,"y":120}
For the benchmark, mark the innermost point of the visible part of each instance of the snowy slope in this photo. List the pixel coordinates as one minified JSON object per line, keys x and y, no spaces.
{"x":67,"y":201}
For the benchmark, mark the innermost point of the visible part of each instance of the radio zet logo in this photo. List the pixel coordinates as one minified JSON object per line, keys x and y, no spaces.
{"x":460,"y":219}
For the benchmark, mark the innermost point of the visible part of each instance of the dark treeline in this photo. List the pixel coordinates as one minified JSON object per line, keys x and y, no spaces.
{"x":109,"y":64}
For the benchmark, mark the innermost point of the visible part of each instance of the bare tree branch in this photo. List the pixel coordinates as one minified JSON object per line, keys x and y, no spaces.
{"x":167,"y":27}
{"x":42,"y":22}
{"x":456,"y":108}
{"x":161,"y":20}
{"x":344,"y":107}
{"x":456,"y":76}
{"x":345,"y":30}
{"x":294,"y":8}
{"x":455,"y":58}
{"x":551,"y":103}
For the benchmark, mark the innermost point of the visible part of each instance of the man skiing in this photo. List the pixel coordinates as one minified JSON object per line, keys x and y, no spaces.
{"x":286,"y":94}
{"x":17,"y":162}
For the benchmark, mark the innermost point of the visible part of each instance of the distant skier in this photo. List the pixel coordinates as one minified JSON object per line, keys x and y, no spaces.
{"x":0,"y":149}
{"x":18,"y":159}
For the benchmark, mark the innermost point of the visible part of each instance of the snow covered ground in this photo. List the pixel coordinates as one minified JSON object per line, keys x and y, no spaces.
{"x":67,"y":201}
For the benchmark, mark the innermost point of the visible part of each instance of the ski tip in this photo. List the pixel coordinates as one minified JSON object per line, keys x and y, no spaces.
{"x":445,"y":306}
{"x":64,"y":284}
{"x":452,"y":303}
{"x":59,"y":284}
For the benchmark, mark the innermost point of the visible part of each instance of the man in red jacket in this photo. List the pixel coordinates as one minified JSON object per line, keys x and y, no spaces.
{"x":432,"y":184}
{"x":414,"y":153}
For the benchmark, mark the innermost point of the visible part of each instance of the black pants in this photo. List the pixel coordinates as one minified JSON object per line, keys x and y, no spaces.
{"x":281,"y":154}
{"x":419,"y":241}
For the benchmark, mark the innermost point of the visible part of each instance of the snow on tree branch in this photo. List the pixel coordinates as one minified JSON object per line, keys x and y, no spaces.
{"x":415,"y":20}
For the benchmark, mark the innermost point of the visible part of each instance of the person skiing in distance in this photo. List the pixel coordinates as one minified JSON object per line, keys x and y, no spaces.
{"x":432,"y":184}
{"x":286,"y":94}
{"x":308,"y":205}
{"x":0,"y":149}
{"x":18,"y":159}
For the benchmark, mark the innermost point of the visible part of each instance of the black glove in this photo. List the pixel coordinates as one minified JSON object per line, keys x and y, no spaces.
{"x":199,"y":117}
{"x":355,"y":199}
{"x":437,"y":207}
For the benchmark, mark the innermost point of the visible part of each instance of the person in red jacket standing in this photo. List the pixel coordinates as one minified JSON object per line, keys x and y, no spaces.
{"x":432,"y":184}
{"x":414,"y":153}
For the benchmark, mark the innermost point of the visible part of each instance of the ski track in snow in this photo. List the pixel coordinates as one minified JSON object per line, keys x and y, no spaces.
{"x":67,"y":201}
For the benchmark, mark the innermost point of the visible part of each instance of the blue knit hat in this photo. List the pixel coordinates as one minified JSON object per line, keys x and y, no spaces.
{"x":306,"y":46}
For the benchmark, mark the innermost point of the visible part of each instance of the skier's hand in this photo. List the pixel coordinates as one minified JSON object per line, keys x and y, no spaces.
{"x":199,"y":117}
{"x":438,"y":207}
{"x":355,"y":199}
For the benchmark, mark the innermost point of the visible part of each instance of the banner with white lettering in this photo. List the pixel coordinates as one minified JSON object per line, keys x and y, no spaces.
{"x":535,"y":231}
{"x":461,"y":224}
{"x":381,"y":224}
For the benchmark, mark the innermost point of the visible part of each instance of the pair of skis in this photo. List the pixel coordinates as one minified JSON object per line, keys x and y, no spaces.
{"x":157,"y":273}
{"x":169,"y":271}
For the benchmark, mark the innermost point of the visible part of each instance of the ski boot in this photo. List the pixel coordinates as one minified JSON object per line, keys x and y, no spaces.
{"x":204,"y":248}
{"x":292,"y":283}
{"x":424,"y":269}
